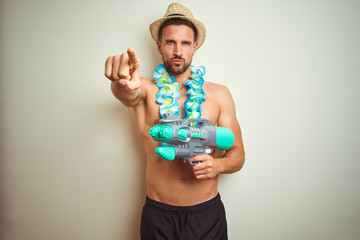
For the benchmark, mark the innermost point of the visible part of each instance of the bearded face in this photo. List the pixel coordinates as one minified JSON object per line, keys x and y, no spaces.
{"x":177,"y":48}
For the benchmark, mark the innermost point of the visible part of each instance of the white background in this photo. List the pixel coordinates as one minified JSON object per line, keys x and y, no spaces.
{"x":72,"y":162}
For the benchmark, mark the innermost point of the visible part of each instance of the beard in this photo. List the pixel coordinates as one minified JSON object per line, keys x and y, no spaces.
{"x":172,"y":70}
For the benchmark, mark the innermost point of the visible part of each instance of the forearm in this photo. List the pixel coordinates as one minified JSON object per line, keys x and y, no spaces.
{"x":232,"y":161}
{"x":126,"y":97}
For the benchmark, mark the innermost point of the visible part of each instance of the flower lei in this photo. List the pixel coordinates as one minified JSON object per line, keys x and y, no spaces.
{"x":169,"y":92}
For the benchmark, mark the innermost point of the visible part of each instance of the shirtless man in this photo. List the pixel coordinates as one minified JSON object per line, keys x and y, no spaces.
{"x":174,"y":185}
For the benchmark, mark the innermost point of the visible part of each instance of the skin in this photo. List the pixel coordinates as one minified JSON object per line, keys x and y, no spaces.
{"x":176,"y":183}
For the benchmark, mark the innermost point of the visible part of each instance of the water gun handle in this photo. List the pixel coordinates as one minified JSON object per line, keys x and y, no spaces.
{"x":188,"y":160}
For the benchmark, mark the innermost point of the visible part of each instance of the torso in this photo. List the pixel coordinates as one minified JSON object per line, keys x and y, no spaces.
{"x":173,"y":182}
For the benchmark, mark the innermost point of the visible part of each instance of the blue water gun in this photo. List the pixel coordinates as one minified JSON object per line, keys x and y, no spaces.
{"x":185,"y":138}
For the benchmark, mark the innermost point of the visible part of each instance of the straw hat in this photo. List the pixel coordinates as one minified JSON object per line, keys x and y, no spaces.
{"x":176,"y":10}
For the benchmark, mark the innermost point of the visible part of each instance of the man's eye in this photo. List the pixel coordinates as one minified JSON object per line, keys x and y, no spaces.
{"x":170,"y":42}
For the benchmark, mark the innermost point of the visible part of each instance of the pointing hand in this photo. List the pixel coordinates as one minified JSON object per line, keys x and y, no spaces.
{"x":124,"y":69}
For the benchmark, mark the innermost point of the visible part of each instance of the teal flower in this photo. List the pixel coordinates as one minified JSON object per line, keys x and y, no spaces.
{"x":189,"y":105}
{"x":163,"y":80}
{"x":194,"y":85}
{"x":201,"y":71}
{"x":196,"y":95}
{"x":162,"y":77}
{"x":194,"y":115}
{"x":173,"y":108}
{"x":172,"y":91}
{"x":160,"y":72}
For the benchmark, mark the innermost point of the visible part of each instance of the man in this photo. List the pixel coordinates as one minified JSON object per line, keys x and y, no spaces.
{"x":183,"y":200}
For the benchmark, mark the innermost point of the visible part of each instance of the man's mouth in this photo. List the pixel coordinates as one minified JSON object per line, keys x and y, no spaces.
{"x":177,"y":61}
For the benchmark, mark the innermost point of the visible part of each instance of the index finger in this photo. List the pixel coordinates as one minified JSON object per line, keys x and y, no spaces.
{"x":134,"y":61}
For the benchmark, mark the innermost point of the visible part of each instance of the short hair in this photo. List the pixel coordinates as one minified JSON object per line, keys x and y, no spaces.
{"x":177,"y":21}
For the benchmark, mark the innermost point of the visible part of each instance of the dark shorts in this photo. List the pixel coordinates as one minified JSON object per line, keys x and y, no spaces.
{"x":205,"y":221}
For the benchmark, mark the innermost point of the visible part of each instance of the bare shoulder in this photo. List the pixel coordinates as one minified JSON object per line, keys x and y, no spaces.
{"x":216,"y":90}
{"x":146,"y":82}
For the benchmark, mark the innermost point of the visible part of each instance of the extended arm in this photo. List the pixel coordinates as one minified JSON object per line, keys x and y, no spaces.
{"x":123,"y":71}
{"x":233,"y":160}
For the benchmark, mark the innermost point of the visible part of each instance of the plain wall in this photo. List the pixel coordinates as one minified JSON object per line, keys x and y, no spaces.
{"x":72,"y":163}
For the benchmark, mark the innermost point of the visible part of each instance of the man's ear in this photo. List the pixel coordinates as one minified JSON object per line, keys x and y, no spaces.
{"x":158,"y":44}
{"x":196,"y":44}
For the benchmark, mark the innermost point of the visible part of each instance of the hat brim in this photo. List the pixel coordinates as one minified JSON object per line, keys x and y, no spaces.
{"x":200,"y":27}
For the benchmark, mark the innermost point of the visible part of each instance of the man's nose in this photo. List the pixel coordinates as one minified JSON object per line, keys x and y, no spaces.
{"x":178,"y":50}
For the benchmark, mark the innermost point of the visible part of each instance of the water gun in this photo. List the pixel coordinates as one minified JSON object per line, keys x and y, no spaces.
{"x":185,"y":138}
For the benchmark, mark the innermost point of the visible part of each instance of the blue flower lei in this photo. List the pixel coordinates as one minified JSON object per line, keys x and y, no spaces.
{"x":169,"y":92}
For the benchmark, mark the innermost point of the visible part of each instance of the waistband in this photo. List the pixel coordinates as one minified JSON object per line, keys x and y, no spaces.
{"x":176,"y":209}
